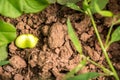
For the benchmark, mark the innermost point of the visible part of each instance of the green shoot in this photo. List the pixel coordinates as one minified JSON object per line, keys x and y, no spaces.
{"x":82,"y":63}
{"x":115,"y":36}
{"x":78,"y":47}
{"x":96,"y":6}
{"x":73,"y":37}
{"x":108,"y":42}
{"x":102,"y":46}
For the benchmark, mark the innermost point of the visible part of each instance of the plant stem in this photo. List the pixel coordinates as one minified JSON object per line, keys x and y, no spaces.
{"x":105,"y":70}
{"x":108,"y":36}
{"x":78,"y":47}
{"x":102,"y":46}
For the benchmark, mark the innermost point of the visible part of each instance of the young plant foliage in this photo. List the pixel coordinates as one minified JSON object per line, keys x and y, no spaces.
{"x":76,"y":43}
{"x":74,"y":7}
{"x":115,"y":36}
{"x":90,"y":7}
{"x":14,"y":8}
{"x":73,"y":37}
{"x":105,"y":13}
{"x":97,"y":6}
{"x":7,"y":33}
{"x":3,"y":52}
{"x":101,"y":4}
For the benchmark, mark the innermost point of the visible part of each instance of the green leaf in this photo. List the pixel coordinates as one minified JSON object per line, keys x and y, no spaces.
{"x":106,"y":13}
{"x":85,"y":5}
{"x":32,"y":6}
{"x":63,"y":2}
{"x":14,"y":8}
{"x":73,"y":37}
{"x":74,"y":7}
{"x":8,"y":9}
{"x":97,"y":5}
{"x":115,"y":36}
{"x":7,"y":33}
{"x":3,"y":63}
{"x":85,"y":76}
{"x":3,"y":52}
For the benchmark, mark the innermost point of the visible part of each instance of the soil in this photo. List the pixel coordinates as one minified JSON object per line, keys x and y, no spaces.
{"x":54,"y":54}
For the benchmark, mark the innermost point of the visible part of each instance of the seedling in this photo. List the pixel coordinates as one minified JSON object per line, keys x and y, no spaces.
{"x":78,"y":47}
{"x":115,"y":35}
{"x":90,"y":7}
{"x":26,"y":41}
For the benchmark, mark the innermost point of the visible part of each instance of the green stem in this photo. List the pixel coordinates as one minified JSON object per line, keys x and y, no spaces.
{"x":108,"y":36}
{"x":102,"y":46}
{"x":105,"y":70}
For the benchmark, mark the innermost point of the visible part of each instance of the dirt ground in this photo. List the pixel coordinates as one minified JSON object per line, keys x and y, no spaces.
{"x":54,"y":54}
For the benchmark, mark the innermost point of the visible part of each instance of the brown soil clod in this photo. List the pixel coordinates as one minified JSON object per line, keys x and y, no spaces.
{"x":17,"y":62}
{"x":56,"y":35}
